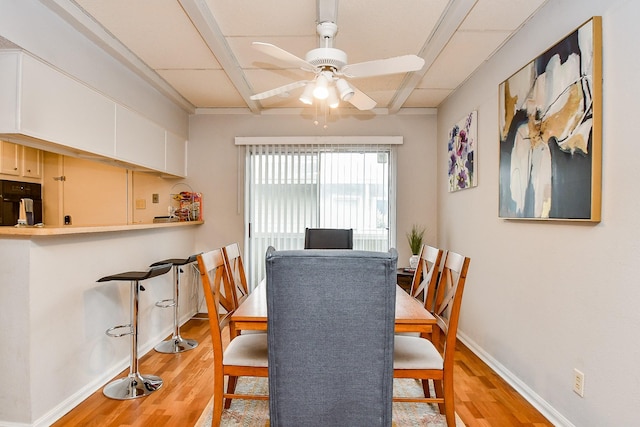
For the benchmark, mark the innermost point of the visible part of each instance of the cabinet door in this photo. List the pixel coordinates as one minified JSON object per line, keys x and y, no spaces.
{"x":94,"y":193}
{"x":55,"y":107}
{"x":176,"y":149}
{"x":9,"y":157}
{"x":139,"y":140}
{"x":31,"y":162}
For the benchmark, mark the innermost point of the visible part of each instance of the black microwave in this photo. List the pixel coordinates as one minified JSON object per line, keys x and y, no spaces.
{"x":11,"y":193}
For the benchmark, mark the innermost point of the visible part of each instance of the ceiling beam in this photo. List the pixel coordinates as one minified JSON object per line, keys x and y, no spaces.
{"x":205,"y":23}
{"x":452,"y":18}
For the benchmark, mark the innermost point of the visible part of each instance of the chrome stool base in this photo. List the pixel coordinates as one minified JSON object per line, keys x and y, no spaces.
{"x":176,"y":345}
{"x":132,"y":386}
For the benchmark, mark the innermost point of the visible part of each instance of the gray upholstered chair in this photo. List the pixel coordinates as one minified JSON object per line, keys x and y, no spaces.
{"x":330,"y":337}
{"x":328,"y":238}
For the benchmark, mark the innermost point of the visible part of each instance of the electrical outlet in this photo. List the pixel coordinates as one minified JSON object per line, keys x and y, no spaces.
{"x":155,"y":198}
{"x":578,"y":382}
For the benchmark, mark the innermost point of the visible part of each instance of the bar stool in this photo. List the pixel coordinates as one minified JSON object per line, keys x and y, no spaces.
{"x":134,"y":385}
{"x":175,"y":344}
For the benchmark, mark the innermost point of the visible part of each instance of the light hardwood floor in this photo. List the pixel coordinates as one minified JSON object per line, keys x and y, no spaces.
{"x":482,"y":398}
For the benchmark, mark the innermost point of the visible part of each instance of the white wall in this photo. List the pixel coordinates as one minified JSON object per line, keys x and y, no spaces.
{"x":544,"y":298}
{"x":216,"y":167}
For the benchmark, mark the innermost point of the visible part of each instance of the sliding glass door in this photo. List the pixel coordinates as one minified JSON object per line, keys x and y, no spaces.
{"x":292,"y":187}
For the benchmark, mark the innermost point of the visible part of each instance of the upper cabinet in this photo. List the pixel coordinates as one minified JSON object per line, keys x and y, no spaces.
{"x":139,"y":140}
{"x":9,"y":158}
{"x":31,"y":162}
{"x":46,"y":108}
{"x":176,"y":150}
{"x":61,"y":110}
{"x":18,"y":160}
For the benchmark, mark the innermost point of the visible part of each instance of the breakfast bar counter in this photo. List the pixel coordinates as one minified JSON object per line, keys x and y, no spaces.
{"x":54,"y":311}
{"x":71,"y":229}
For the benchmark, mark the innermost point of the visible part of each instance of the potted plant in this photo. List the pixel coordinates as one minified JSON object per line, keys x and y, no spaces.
{"x":415,"y":238}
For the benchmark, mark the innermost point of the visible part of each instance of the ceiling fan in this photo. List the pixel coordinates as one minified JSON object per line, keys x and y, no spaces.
{"x":331,"y":68}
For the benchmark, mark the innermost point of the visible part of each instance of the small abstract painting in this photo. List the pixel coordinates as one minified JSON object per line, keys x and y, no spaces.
{"x":463,"y":138}
{"x":550,"y":115}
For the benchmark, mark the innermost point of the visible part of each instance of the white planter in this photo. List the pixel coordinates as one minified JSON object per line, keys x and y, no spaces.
{"x":413,"y":261}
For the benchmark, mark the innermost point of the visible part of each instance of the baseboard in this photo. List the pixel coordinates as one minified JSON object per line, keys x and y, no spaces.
{"x":75,"y":399}
{"x":549,"y":412}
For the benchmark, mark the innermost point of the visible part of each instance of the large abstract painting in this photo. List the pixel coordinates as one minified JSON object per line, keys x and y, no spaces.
{"x":551,"y":132}
{"x":463,"y":138}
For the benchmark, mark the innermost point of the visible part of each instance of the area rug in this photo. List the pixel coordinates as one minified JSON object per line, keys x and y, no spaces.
{"x":255,"y":413}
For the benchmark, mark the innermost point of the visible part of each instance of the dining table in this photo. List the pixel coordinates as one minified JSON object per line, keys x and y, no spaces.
{"x":411,"y":315}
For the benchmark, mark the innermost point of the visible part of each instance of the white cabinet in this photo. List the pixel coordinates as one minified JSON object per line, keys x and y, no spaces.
{"x":176,"y":150}
{"x":48,"y":105}
{"x":18,"y":160}
{"x":9,"y":157}
{"x":139,"y":140}
{"x":43,"y":104}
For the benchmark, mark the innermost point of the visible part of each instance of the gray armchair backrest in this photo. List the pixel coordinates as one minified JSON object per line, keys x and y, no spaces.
{"x":330,"y":335}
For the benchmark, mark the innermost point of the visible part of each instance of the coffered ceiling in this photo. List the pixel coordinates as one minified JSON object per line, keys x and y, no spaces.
{"x":199,"y":52}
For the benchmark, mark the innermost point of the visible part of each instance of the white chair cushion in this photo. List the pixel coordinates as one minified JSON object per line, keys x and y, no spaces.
{"x":415,"y":353}
{"x":247,"y":350}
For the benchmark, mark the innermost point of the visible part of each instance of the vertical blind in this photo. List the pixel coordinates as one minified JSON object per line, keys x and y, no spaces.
{"x":291,"y":187}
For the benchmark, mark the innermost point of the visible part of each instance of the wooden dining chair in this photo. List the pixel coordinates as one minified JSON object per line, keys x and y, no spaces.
{"x":425,"y":277}
{"x":424,"y":359}
{"x":237,"y":275}
{"x":245,"y":355}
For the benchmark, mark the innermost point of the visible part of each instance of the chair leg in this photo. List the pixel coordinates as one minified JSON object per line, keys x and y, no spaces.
{"x":218,"y":398}
{"x":437,"y":385}
{"x":231,"y":388}
{"x":425,"y":388}
{"x":449,"y":408}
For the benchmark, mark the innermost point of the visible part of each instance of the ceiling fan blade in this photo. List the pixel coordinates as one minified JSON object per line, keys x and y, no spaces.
{"x":278,"y":90}
{"x":360,"y":100}
{"x":398,"y":64}
{"x":284,"y":56}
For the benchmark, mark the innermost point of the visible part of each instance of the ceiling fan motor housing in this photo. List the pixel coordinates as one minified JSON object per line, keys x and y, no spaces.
{"x":327,"y":57}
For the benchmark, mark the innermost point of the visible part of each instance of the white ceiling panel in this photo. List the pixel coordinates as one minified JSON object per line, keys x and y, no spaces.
{"x":264,"y":17}
{"x":391,"y":28}
{"x":204,"y":88}
{"x":464,"y":53}
{"x":157,"y":31}
{"x":202,"y":49}
{"x":419,"y":98}
{"x":505,"y":15}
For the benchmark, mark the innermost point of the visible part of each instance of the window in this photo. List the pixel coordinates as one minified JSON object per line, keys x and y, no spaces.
{"x":290,"y":187}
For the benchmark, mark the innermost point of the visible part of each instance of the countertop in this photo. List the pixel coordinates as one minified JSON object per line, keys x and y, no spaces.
{"x":71,"y":229}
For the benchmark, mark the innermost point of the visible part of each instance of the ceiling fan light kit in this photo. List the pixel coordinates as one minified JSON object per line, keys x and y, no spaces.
{"x":332,"y":98}
{"x":321,"y":91}
{"x":307,"y":94}
{"x":346,"y":91}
